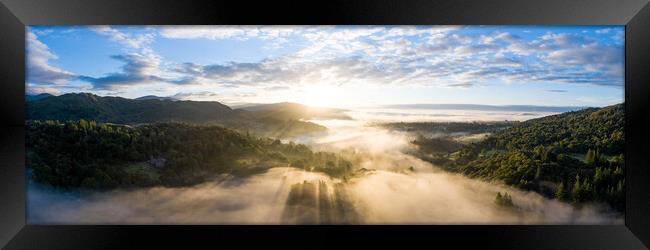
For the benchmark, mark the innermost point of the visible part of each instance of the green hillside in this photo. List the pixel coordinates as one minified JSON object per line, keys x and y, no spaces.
{"x":93,"y":155}
{"x":277,"y":121}
{"x":575,"y":156}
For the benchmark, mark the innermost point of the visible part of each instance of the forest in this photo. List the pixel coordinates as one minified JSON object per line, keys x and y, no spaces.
{"x":448,"y":127}
{"x":88,"y":141}
{"x":96,"y":155}
{"x":576,"y":156}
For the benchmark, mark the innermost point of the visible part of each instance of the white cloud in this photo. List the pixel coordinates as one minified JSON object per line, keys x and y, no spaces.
{"x":44,"y":32}
{"x":197,"y":96}
{"x":142,"y":65}
{"x":137,"y":69}
{"x":214,"y":33}
{"x":603,"y":31}
{"x":227,"y":32}
{"x":129,"y":40}
{"x":504,"y":37}
{"x":619,"y":36}
{"x":36,"y":89}
{"x":39,"y":70}
{"x":431,"y":56}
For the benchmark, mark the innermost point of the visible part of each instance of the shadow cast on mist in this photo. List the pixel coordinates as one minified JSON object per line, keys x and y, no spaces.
{"x":319,"y":203}
{"x":292,"y":196}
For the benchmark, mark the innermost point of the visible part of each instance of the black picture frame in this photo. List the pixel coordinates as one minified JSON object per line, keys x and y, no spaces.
{"x":16,"y":14}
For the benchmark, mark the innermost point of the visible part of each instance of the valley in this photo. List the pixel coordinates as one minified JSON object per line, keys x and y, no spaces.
{"x":291,"y":164}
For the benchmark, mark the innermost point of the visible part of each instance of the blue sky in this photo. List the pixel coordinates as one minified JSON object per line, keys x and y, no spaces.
{"x":341,"y":66}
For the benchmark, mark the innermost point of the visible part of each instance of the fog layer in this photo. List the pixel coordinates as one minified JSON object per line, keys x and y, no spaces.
{"x":388,"y":187}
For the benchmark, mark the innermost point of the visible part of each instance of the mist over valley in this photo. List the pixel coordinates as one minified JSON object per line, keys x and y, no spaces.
{"x":380,"y":171}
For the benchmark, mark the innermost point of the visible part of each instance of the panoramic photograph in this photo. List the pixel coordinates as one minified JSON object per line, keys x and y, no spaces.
{"x":433,"y":125}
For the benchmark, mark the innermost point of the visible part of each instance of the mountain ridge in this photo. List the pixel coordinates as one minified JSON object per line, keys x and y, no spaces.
{"x":275,"y":123}
{"x":154,"y":97}
{"x":521,"y":108}
{"x":75,"y":106}
{"x":37,"y":96}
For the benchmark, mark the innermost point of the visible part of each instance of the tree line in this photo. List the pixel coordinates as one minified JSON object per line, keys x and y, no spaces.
{"x":576,"y":156}
{"x":89,"y":154}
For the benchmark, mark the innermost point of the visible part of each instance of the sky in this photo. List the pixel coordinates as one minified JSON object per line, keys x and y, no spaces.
{"x":337,"y":66}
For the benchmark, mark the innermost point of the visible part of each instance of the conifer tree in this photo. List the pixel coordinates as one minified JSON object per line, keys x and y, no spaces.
{"x":560,"y":193}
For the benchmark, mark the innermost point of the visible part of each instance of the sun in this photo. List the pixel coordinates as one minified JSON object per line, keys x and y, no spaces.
{"x":322,"y":95}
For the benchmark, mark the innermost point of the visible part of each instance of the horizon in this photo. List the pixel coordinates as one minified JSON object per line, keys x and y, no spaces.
{"x":385,"y":106}
{"x":334,"y":66}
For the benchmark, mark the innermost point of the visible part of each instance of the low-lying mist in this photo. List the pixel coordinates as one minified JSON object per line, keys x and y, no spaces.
{"x":441,"y":115}
{"x":388,"y":187}
{"x":259,"y":199}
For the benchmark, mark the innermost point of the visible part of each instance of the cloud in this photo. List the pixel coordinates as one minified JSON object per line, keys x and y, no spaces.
{"x":284,"y":72}
{"x":39,"y":70}
{"x":594,"y":63}
{"x":42,"y":32}
{"x":569,"y":58}
{"x":137,"y":69}
{"x":230,"y":74}
{"x":129,"y":40}
{"x":35,"y":90}
{"x":585,"y":55}
{"x":503,"y":37}
{"x":619,"y":37}
{"x":461,"y":85}
{"x":380,"y":56}
{"x":557,"y":90}
{"x":603,"y":31}
{"x":213,"y":33}
{"x":443,"y":56}
{"x":276,"y":88}
{"x":196,"y":96}
{"x":227,"y":32}
{"x":141,"y":64}
{"x":232,"y":97}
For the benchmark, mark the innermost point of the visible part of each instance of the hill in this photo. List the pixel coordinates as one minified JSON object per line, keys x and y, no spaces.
{"x":277,"y":121}
{"x":37,"y":97}
{"x":572,"y":132}
{"x":153,"y":97}
{"x":124,"y":111}
{"x":429,"y":128}
{"x":95,"y":155}
{"x":288,"y":110}
{"x":518,"y":108}
{"x":575,"y":156}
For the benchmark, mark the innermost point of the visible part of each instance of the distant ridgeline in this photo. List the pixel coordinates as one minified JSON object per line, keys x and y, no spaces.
{"x":272,"y":120}
{"x":520,"y":108}
{"x":575,"y":156}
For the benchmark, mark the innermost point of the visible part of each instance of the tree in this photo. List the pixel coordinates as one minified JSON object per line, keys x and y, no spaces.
{"x":504,"y":200}
{"x":560,"y":192}
{"x":575,"y":191}
{"x":620,"y":186}
{"x":590,"y":157}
